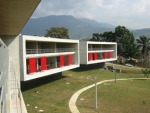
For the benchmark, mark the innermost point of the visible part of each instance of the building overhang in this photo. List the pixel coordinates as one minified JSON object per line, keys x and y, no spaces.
{"x":14,"y":14}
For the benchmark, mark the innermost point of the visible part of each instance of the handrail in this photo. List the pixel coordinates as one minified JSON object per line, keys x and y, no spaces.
{"x":38,"y":51}
{"x":98,"y":49}
{"x":15,"y":90}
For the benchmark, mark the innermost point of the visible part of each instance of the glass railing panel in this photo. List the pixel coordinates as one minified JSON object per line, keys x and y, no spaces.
{"x":99,"y":49}
{"x":39,"y":51}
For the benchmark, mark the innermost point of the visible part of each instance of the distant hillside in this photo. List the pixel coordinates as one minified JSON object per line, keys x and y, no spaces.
{"x":140,"y":32}
{"x":78,"y":28}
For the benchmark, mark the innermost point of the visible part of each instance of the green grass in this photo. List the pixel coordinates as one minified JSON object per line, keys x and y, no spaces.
{"x":121,"y":97}
{"x":54,"y":94}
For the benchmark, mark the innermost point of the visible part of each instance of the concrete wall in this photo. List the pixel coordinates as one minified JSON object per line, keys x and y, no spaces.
{"x":99,"y":47}
{"x":47,"y":43}
{"x":83,"y":52}
{"x":12,"y":42}
{"x":4,"y":66}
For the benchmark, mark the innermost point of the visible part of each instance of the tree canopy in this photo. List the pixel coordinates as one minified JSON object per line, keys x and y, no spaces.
{"x":57,"y":32}
{"x":125,"y":41}
{"x":144,"y":46}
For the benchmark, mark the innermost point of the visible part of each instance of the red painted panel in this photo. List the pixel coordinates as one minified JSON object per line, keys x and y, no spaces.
{"x":89,"y":56}
{"x":43,"y":63}
{"x":95,"y":56}
{"x":61,"y":60}
{"x":70,"y":59}
{"x":32,"y":65}
{"x":110,"y":54}
{"x":105,"y":55}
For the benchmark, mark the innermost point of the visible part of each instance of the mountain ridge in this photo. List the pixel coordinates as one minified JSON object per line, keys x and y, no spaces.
{"x":78,"y":27}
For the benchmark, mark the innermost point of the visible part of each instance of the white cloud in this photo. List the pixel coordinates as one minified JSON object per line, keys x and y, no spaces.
{"x":130,"y":13}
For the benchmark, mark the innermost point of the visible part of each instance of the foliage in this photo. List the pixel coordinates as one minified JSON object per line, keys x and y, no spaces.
{"x":144,"y":47}
{"x":125,"y":39}
{"x":126,"y":46}
{"x":108,"y":36}
{"x":146,"y":72}
{"x":96,"y":37}
{"x":57,"y":32}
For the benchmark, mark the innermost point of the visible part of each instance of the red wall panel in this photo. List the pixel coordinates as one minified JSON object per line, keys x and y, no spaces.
{"x":105,"y":55}
{"x":95,"y":56}
{"x":89,"y":56}
{"x":70,"y":59}
{"x":43,"y":63}
{"x":110,"y":54}
{"x":61,"y":58}
{"x":32,"y":65}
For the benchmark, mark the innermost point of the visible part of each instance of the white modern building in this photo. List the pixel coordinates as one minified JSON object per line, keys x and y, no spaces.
{"x":24,"y":58}
{"x":42,"y":56}
{"x":97,"y":52}
{"x":13,"y":16}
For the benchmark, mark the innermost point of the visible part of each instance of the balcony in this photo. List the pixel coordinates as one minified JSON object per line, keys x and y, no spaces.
{"x":99,"y":49}
{"x":41,"y":51}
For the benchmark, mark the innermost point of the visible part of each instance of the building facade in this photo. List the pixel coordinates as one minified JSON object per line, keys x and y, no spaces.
{"x":24,"y":58}
{"x":97,"y":52}
{"x":42,"y":56}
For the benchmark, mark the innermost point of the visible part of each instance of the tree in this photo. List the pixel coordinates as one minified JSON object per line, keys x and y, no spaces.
{"x":108,"y":36}
{"x":126,"y":46}
{"x":95,"y":37}
{"x":57,"y":32}
{"x":125,"y":40}
{"x":144,"y":47}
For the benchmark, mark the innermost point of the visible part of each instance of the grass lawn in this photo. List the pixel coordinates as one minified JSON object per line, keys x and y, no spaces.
{"x":54,"y":93}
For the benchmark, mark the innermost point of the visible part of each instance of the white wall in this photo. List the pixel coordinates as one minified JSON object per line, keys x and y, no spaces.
{"x":84,"y":45}
{"x":83,"y":52}
{"x":47,"y":43}
{"x":12,"y":42}
{"x":4,"y":66}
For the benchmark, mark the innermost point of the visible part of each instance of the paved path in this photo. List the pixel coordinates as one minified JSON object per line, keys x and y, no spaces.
{"x":72,"y":102}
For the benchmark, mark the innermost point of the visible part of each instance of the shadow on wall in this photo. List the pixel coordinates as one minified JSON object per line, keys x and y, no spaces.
{"x":27,"y":85}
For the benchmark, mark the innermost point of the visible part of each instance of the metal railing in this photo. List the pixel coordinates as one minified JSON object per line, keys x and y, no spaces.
{"x":99,"y":49}
{"x":58,"y":50}
{"x":15,"y":92}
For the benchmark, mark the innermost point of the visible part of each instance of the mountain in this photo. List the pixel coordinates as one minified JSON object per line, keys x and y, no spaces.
{"x":140,"y":32}
{"x":78,"y":27}
{"x":96,"y":24}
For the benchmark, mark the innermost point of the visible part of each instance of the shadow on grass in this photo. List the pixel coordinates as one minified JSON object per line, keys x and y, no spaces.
{"x":27,"y":85}
{"x":87,"y":67}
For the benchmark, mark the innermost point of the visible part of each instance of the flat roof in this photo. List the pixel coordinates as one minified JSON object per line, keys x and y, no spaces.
{"x":14,"y":14}
{"x":47,"y":39}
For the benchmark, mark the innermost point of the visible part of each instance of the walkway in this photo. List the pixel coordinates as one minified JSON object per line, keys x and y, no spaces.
{"x":72,"y":102}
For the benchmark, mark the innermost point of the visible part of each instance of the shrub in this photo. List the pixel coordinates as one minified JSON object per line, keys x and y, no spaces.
{"x":146,"y":72}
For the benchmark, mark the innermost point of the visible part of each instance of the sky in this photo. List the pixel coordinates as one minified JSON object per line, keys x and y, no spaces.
{"x":133,"y":14}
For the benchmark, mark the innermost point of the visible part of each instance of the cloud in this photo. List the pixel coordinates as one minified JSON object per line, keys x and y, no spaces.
{"x":130,"y":13}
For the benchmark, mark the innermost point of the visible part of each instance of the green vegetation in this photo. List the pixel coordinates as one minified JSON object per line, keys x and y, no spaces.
{"x":54,"y":93}
{"x":126,"y":45}
{"x":121,"y":97}
{"x":146,"y":72}
{"x":57,"y":32}
{"x":144,"y":45}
